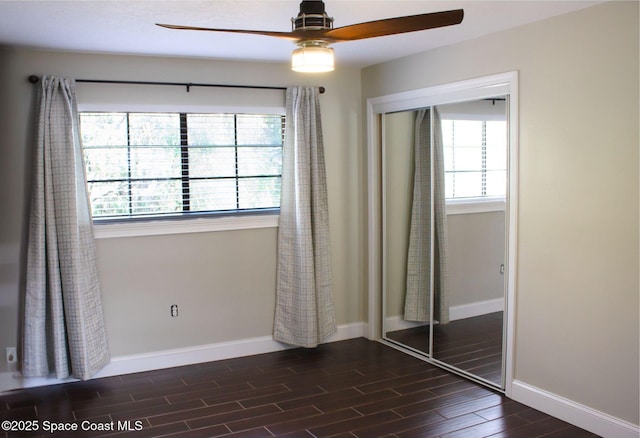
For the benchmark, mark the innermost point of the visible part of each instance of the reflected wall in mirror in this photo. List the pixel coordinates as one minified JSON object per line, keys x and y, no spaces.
{"x":444,"y":233}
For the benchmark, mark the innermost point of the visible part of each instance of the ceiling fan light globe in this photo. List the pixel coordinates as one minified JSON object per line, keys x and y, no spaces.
{"x":312,"y":58}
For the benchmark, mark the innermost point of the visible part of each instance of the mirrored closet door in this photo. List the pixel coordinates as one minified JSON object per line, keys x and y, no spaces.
{"x":445,"y":226}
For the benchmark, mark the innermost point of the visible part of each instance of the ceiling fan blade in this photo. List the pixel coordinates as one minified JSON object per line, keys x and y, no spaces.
{"x":370,"y":29}
{"x":285,"y":35}
{"x":393,"y":26}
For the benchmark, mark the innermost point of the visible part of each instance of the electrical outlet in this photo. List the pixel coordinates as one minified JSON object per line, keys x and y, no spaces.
{"x":12,"y":356}
{"x":174,"y":310}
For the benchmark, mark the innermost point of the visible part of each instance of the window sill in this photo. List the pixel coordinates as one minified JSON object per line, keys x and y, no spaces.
{"x":475,"y":205}
{"x":200,"y":225}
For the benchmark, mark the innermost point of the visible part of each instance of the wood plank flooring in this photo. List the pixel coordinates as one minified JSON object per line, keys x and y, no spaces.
{"x":355,"y":388}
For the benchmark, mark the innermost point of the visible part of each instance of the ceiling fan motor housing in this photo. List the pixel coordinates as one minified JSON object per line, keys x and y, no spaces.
{"x":312,"y":16}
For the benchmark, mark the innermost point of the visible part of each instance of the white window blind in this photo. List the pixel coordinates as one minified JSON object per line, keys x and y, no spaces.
{"x":475,"y":153}
{"x":168,"y":164}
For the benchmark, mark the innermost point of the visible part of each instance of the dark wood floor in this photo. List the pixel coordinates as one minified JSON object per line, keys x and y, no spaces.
{"x":354,"y":388}
{"x":471,"y":344}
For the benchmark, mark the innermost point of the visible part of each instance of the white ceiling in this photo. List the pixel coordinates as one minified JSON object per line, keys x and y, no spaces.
{"x":127,"y":27}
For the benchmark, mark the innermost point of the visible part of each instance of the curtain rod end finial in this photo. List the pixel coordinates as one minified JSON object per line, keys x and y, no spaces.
{"x":321,"y":90}
{"x":34,"y":79}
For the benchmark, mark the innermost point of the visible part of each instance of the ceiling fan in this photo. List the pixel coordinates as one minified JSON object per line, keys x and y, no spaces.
{"x":313,"y":31}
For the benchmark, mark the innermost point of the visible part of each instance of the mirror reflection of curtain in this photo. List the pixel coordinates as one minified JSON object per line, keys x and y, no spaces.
{"x":417,"y":299}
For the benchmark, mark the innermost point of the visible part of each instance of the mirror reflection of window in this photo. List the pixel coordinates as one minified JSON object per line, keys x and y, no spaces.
{"x":475,"y":158}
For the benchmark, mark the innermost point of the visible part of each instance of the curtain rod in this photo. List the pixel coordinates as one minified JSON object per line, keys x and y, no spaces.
{"x":34,"y":79}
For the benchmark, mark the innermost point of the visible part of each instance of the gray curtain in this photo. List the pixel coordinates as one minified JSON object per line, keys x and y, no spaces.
{"x":417,"y":298}
{"x":304,"y":314}
{"x":64,"y":329}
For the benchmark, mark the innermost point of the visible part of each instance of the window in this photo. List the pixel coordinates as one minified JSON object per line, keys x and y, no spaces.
{"x":475,"y":154}
{"x":179,"y":164}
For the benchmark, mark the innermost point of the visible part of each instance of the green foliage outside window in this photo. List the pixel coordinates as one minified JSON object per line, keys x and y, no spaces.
{"x":149,"y":164}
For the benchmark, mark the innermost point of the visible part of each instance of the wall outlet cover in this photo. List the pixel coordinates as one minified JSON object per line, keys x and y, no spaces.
{"x":12,"y":355}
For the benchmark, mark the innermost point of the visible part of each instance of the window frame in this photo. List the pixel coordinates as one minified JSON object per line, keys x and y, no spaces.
{"x":185,"y":222}
{"x":484,"y":204}
{"x":167,"y":226}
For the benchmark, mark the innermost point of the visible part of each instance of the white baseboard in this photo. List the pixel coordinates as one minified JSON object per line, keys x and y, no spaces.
{"x":575,"y":413}
{"x":476,"y":309}
{"x":180,"y":356}
{"x":461,"y":311}
{"x":393,"y":323}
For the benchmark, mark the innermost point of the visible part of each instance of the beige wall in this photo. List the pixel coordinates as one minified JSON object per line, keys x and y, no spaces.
{"x":224,"y":282}
{"x":577,"y":304}
{"x":476,"y":251}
